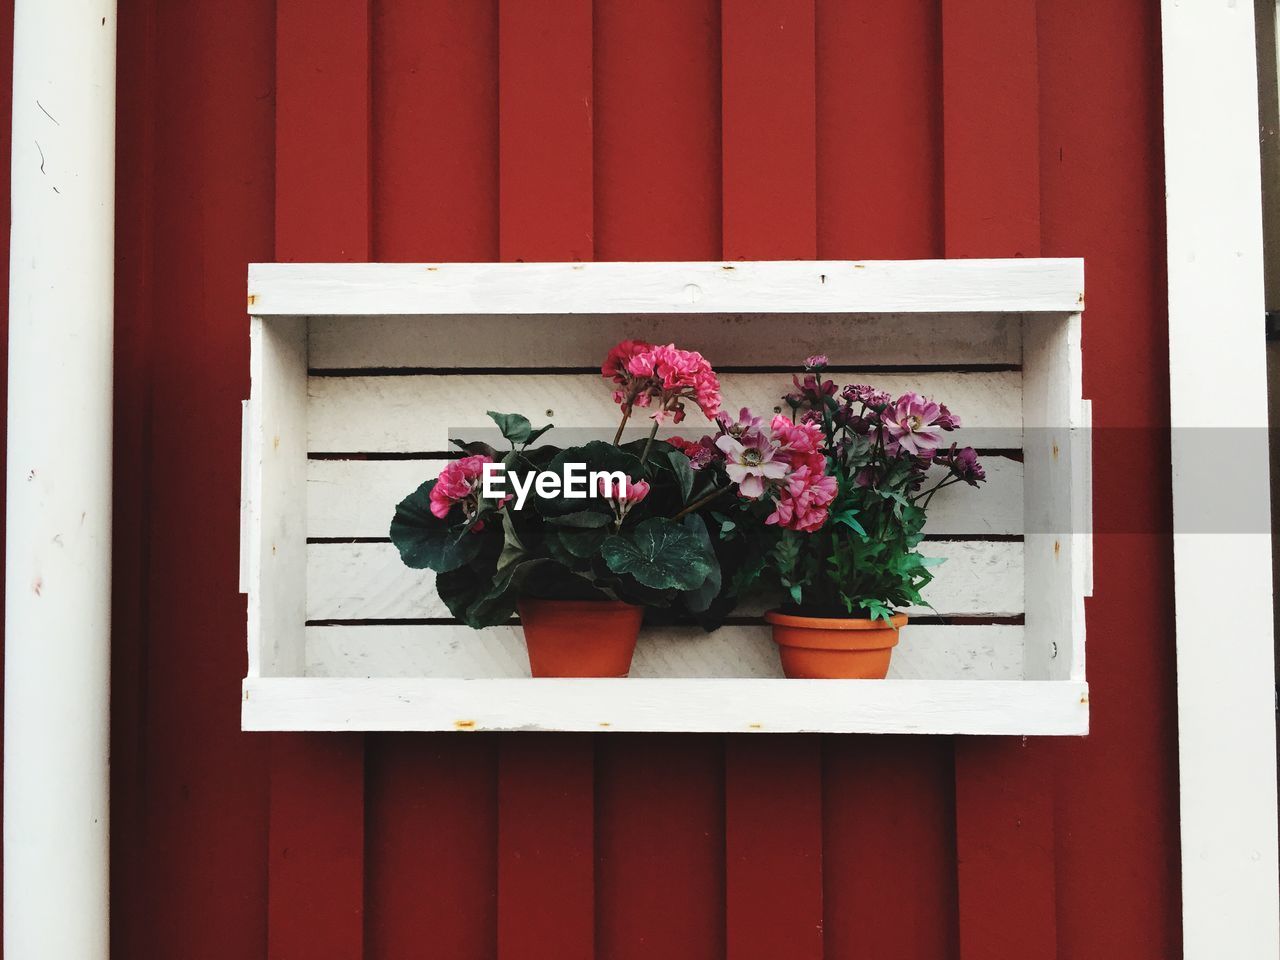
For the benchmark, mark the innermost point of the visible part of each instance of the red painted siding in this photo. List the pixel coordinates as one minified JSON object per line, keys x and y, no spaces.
{"x":622,"y":129}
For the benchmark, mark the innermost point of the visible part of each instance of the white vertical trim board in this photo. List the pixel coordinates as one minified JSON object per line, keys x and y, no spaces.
{"x":1226,"y":670}
{"x":57,"y":638}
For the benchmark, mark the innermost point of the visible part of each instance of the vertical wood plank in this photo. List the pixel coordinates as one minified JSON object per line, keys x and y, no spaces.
{"x":660,"y":847}
{"x":659,"y":799}
{"x":773,"y":785}
{"x":657,"y":130}
{"x":1004,"y":795}
{"x":546,"y":792}
{"x":431,"y":801}
{"x":1103,"y":198}
{"x":435,"y":130}
{"x":431,"y":847}
{"x":203,"y":783}
{"x":322,"y":130}
{"x":888,"y":802}
{"x":315,"y":895}
{"x":990,"y":119}
{"x":546,"y":847}
{"x":545,"y":127}
{"x":315,"y":904}
{"x":889,"y":848}
{"x":880,"y":136}
{"x":773,"y":847}
{"x":769,"y":91}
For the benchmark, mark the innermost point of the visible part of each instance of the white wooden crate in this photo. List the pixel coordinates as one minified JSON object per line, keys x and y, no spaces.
{"x":361,"y":373}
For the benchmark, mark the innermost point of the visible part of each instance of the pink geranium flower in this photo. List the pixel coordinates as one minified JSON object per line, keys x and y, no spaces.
{"x":800,"y":443}
{"x":804,"y":502}
{"x":459,"y":483}
{"x":633,"y":491}
{"x":912,"y":425}
{"x":661,"y":376}
{"x":751,"y":465}
{"x":701,"y":452}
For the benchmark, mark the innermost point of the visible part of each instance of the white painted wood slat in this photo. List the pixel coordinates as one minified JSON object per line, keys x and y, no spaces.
{"x":989,"y":652}
{"x":421,"y":412}
{"x":790,"y":286}
{"x":1017,"y":707}
{"x":726,"y":340}
{"x":363,"y":581}
{"x":357,"y":498}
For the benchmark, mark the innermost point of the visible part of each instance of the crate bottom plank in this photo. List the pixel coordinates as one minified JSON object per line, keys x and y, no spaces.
{"x":1002,"y":707}
{"x":925,"y":651}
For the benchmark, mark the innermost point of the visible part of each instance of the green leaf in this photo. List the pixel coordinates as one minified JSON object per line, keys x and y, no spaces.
{"x":877,"y":610}
{"x":499,"y":602}
{"x":577,"y":542}
{"x":426,"y":541}
{"x":460,"y":588}
{"x":661,"y":554}
{"x":512,"y":426}
{"x":538,"y":432}
{"x":583,"y":518}
{"x":684,"y":473}
{"x":846,"y":517}
{"x":475,"y":447}
{"x":700,"y":598}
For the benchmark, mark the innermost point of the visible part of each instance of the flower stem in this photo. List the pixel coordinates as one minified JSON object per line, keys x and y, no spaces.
{"x":701,"y":502}
{"x":648,"y":444}
{"x":617,"y":437}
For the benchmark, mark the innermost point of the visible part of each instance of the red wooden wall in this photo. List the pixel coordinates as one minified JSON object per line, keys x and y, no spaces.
{"x":624,"y":129}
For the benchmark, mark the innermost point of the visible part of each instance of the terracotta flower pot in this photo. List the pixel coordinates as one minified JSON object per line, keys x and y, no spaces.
{"x":834,"y":648}
{"x":580,"y":638}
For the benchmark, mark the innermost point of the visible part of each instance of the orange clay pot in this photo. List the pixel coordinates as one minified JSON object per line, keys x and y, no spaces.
{"x":580,"y":638}
{"x":831,"y":648}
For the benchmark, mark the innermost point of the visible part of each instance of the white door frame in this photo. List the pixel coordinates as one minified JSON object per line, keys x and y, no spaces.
{"x":1217,"y":379}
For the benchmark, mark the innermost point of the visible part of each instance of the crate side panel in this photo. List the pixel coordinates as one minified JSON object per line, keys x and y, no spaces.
{"x":277,"y":514}
{"x":1054,"y":545}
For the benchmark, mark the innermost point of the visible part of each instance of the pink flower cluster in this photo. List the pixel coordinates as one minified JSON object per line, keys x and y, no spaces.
{"x":661,"y":377}
{"x":804,"y":501}
{"x":459,"y":483}
{"x":633,"y":491}
{"x":784,"y":461}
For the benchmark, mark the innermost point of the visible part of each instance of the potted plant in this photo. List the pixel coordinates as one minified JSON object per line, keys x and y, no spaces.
{"x":825,"y":508}
{"x":579,"y":540}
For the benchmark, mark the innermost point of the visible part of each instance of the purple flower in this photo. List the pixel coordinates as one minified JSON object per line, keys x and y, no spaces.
{"x":965,"y":465}
{"x":744,"y":428}
{"x":817,"y":362}
{"x":870,"y":396}
{"x":912,"y":425}
{"x":811,"y":391}
{"x":750,"y":465}
{"x":946,"y":419}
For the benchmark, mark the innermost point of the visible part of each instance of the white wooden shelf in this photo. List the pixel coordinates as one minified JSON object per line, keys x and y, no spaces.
{"x":361,"y":373}
{"x":1023,"y":707}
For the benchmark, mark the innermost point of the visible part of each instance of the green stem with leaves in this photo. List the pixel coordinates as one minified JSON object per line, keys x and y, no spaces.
{"x":702,"y":502}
